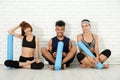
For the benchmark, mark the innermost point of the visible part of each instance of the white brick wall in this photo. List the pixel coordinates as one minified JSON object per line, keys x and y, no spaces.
{"x":42,"y":15}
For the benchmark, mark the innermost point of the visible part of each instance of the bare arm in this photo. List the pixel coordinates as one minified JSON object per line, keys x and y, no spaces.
{"x":96,"y":46}
{"x":79,"y":38}
{"x":37,"y":50}
{"x":50,"y":45}
{"x":50,"y":48}
{"x":70,"y":45}
{"x":12,"y":31}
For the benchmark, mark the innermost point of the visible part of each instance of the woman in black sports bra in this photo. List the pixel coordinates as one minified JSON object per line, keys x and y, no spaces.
{"x":91,"y":42}
{"x":30,"y":44}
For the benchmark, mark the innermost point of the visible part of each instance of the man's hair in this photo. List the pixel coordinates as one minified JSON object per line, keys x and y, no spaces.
{"x":60,"y":23}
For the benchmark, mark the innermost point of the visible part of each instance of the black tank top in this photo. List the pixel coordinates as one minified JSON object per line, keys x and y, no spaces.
{"x":29,"y":44}
{"x":55,"y":41}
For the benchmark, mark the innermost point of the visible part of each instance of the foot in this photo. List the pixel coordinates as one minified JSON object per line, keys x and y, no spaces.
{"x":51,"y":67}
{"x":84,"y":66}
{"x":30,"y":62}
{"x":105,"y":66}
{"x":64,"y":66}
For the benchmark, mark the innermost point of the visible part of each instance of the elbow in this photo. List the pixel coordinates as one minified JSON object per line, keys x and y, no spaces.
{"x":10,"y":32}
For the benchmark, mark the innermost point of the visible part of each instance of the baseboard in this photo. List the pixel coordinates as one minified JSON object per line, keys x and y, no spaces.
{"x":2,"y":61}
{"x":109,"y":61}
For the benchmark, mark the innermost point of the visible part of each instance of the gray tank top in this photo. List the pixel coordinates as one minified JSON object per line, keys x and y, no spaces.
{"x":87,"y":44}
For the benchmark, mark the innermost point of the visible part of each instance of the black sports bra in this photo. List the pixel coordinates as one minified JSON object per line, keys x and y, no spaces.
{"x":29,"y":44}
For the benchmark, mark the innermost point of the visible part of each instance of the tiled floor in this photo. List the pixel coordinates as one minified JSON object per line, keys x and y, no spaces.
{"x":74,"y":72}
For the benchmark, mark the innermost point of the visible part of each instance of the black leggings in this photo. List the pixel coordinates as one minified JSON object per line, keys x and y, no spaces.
{"x":81,"y":56}
{"x":67,"y":63}
{"x":15,"y":64}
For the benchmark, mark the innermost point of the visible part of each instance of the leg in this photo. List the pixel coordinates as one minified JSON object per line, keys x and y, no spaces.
{"x":22,"y":64}
{"x":11,"y":63}
{"x":16,"y":64}
{"x":51,"y":67}
{"x":27,"y":66}
{"x":47,"y":55}
{"x":70,"y":55}
{"x":105,"y":55}
{"x":84,"y":61}
{"x":35,"y":65}
{"x":67,"y":64}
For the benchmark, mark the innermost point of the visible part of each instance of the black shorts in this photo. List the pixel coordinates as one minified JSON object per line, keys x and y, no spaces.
{"x":24,"y":59}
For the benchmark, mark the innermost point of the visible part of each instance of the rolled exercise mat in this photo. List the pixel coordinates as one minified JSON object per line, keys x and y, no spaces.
{"x":89,"y":53}
{"x":58,"y":61}
{"x":10,"y":47}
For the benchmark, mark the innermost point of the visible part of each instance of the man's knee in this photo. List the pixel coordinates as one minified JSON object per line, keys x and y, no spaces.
{"x":43,"y":50}
{"x":73,"y":50}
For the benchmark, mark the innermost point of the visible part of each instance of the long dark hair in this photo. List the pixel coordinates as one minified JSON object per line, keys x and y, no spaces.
{"x":25,"y":25}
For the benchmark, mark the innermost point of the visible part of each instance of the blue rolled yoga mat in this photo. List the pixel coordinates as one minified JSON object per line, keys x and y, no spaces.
{"x":89,"y":53}
{"x":58,"y":61}
{"x":10,"y":47}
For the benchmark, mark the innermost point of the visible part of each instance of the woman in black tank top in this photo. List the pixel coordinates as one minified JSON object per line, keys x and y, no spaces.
{"x":30,"y":44}
{"x":91,"y":42}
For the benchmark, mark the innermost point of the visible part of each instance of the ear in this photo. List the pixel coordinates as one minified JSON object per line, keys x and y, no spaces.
{"x":64,"y":28}
{"x":55,"y":28}
{"x":90,"y":26}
